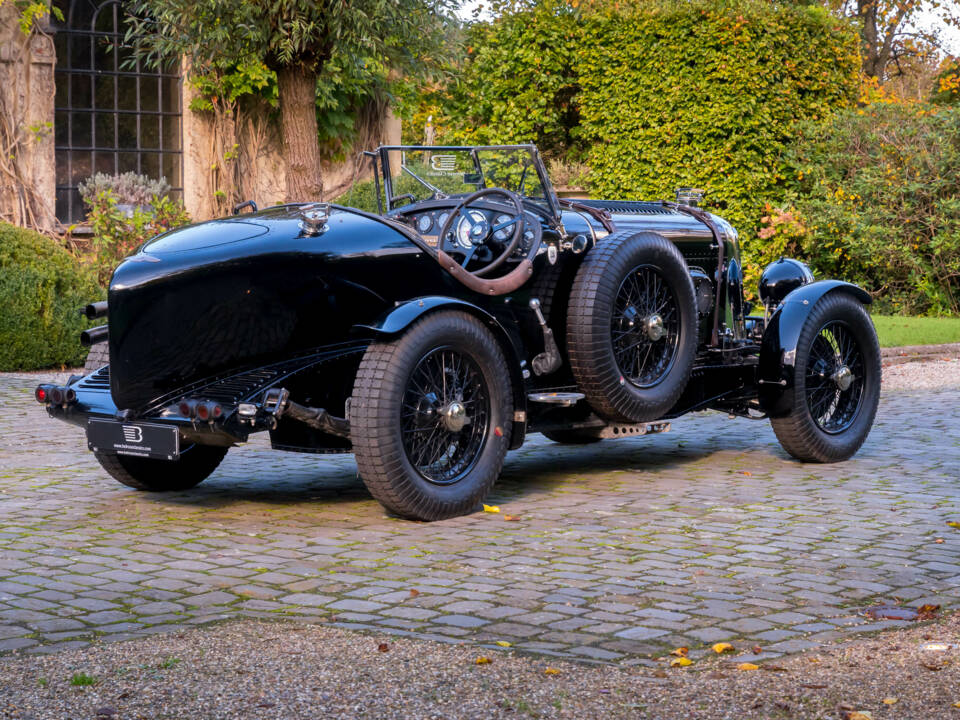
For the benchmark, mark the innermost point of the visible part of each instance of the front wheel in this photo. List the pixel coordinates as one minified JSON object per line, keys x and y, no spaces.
{"x":430,"y":417}
{"x":836,"y":383}
{"x":190,"y":469}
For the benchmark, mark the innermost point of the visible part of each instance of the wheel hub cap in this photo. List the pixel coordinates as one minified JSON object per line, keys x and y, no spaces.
{"x":843,"y":378}
{"x":653,"y":326}
{"x":455,"y":416}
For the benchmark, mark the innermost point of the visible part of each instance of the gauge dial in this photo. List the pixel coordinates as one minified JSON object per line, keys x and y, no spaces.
{"x":442,"y":219}
{"x":506,"y":232}
{"x":424,"y":223}
{"x":465,"y":231}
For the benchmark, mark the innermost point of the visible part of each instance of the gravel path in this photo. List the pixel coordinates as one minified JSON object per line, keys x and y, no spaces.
{"x":931,"y":375}
{"x":258,"y":670}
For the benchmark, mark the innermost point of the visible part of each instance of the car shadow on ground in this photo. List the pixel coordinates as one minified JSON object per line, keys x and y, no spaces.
{"x":537,"y":469}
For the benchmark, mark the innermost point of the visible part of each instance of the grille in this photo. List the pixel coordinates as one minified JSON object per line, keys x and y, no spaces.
{"x":629,"y":207}
{"x":99,"y":380}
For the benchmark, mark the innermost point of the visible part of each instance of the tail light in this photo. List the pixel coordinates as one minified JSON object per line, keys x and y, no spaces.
{"x":186,"y":407}
{"x":41,"y":394}
{"x":203,"y":411}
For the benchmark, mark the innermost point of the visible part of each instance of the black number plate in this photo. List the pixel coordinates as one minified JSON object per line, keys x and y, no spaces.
{"x":142,"y":440}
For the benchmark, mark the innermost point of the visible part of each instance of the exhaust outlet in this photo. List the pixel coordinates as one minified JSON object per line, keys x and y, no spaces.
{"x":95,"y":310}
{"x":93,"y":336}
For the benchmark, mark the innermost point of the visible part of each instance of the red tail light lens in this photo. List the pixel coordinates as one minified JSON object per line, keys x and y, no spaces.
{"x":216,"y":411}
{"x":184,"y":407}
{"x":40,"y":394}
{"x":203,"y":411}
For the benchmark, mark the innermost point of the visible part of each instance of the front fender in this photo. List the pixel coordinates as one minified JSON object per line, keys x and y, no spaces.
{"x":397,"y":319}
{"x":778,"y":349}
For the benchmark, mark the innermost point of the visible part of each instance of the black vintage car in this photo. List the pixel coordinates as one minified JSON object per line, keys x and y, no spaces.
{"x":430,"y":336}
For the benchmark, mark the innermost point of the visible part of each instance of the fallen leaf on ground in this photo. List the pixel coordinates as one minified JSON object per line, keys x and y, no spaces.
{"x":720,"y":648}
{"x":956,"y":704}
{"x":890,"y":701}
{"x":858,"y":715}
{"x":939,"y":541}
{"x":503,"y":643}
{"x":812,"y":686}
{"x":927,"y":612}
{"x":681,"y":662}
{"x":551,"y":671}
{"x":774,"y":668}
{"x":491,"y":508}
{"x":680,"y":651}
{"x":483,"y":660}
{"x":757,"y":649}
{"x":510,"y":518}
{"x":747,"y":666}
{"x":747,"y":473}
{"x":414,"y":592}
{"x":813,"y":659}
{"x":383,"y":647}
{"x":954,"y":524}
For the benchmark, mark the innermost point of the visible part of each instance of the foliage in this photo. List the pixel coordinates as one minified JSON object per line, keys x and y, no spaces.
{"x":875,"y":199}
{"x":519,"y":80}
{"x":42,"y":288}
{"x":947,"y":89}
{"x":129,"y":188}
{"x":737,"y":86}
{"x":31,"y":12}
{"x":117,"y":234}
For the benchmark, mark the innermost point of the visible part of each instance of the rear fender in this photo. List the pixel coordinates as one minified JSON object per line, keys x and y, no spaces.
{"x":778,"y":349}
{"x":396,"y":320}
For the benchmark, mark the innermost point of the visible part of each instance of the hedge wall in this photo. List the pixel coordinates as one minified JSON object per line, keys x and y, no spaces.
{"x":42,"y":288}
{"x":707,"y":94}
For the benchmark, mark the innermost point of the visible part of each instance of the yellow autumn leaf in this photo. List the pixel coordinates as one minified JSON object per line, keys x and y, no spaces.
{"x":860,"y":715}
{"x":890,"y":701}
{"x":503,"y":643}
{"x":551,"y":671}
{"x":483,"y":660}
{"x":681,"y":662}
{"x":954,"y":524}
{"x":956,"y":704}
{"x":680,"y":651}
{"x":720,"y":648}
{"x":491,"y":508}
{"x":747,"y":666}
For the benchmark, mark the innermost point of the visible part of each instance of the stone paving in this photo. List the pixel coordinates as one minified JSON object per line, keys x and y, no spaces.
{"x":614,"y":551}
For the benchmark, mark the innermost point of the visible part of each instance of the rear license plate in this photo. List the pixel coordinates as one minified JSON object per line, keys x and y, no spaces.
{"x":139,"y":439}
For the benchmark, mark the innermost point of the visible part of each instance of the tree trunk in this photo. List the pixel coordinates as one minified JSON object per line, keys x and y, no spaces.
{"x":298,"y":124}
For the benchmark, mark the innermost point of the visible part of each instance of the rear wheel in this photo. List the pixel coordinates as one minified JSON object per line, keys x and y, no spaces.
{"x":430,"y":417}
{"x":194,"y":465}
{"x":836,"y":383}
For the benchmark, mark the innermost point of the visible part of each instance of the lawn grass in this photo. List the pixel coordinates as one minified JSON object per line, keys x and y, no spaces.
{"x":897,"y":330}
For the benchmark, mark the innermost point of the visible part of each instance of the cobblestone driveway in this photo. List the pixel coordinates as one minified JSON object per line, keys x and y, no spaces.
{"x":614,"y":551}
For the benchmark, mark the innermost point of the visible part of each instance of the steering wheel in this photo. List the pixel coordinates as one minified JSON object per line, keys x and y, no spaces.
{"x":481,"y":231}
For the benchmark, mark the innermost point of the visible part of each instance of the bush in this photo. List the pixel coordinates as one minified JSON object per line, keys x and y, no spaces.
{"x":875,"y":199}
{"x":128,"y":188}
{"x":117,"y":233}
{"x":42,"y":288}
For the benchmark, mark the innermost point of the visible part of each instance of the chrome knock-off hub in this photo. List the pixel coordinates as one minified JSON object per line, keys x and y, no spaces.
{"x":455,"y":416}
{"x":653,"y":326}
{"x":843,"y":378}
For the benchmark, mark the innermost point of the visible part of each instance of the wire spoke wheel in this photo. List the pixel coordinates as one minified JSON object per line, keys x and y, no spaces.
{"x":444,"y":415}
{"x":645,"y":327}
{"x":834,"y":379}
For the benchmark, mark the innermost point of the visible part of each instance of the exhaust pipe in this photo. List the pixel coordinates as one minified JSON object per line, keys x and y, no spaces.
{"x":95,"y":310}
{"x":93,"y":336}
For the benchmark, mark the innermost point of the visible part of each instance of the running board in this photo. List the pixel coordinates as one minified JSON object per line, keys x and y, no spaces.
{"x":557,"y":398}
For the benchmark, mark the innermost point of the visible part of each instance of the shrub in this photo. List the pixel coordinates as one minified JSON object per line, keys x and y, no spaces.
{"x":42,"y":288}
{"x":128,"y":188}
{"x":117,"y":234}
{"x":875,"y":199}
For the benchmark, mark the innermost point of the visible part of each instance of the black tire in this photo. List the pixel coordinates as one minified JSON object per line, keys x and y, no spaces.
{"x":827,"y":423}
{"x":396,"y":420}
{"x":98,"y":356}
{"x":192,"y":467}
{"x":571,"y":437}
{"x":601,"y":338}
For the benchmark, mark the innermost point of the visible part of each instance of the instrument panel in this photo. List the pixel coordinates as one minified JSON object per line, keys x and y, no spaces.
{"x":428,"y":224}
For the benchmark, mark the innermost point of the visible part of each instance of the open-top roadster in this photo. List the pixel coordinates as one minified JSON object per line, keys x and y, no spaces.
{"x":430,"y":337}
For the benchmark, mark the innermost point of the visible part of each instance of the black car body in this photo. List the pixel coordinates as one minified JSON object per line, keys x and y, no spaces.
{"x":263,"y":321}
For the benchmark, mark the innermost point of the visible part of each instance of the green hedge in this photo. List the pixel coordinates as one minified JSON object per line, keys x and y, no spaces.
{"x":875,"y":199}
{"x":42,"y":288}
{"x":708,"y":94}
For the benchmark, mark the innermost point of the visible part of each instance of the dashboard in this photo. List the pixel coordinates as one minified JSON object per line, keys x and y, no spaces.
{"x":429,"y":221}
